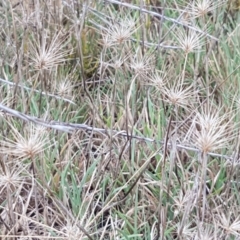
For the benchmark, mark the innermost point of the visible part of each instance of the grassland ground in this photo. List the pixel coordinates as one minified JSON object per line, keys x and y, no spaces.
{"x":119,"y":119}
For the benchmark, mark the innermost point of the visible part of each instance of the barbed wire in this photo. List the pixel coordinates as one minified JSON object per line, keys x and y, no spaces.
{"x":73,"y":127}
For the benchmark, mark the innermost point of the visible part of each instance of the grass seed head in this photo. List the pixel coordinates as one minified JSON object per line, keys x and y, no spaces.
{"x":64,"y":88}
{"x":158,"y":79}
{"x":178,"y":95}
{"x":211,"y":130}
{"x":47,"y":54}
{"x":200,"y":8}
{"x":119,"y":32}
{"x":24,"y":146}
{"x":206,"y":233}
{"x":186,"y":232}
{"x":190,"y":40}
{"x":142,"y":66}
{"x":12,"y":177}
{"x":230,"y":225}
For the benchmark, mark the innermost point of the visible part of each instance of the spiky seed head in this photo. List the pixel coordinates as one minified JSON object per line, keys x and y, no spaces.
{"x":64,"y":88}
{"x":211,"y":131}
{"x":47,"y":54}
{"x":142,"y":66}
{"x":206,"y":233}
{"x":200,"y":8}
{"x":230,"y":224}
{"x":178,"y":95}
{"x":12,"y":177}
{"x":158,"y":79}
{"x":187,"y":231}
{"x":190,"y":40}
{"x":106,"y":40}
{"x":26,"y":145}
{"x":119,"y":32}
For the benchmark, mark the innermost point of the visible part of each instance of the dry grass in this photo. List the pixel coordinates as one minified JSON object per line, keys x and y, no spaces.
{"x":119,"y":120}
